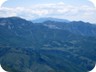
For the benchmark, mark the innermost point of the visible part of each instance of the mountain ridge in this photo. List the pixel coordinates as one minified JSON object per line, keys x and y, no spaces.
{"x":37,"y":47}
{"x":41,"y":20}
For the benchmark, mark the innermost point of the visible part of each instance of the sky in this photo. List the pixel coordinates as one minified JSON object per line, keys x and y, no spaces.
{"x":73,"y":10}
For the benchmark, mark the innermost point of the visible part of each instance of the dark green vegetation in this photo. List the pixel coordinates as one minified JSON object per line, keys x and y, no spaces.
{"x":47,"y":47}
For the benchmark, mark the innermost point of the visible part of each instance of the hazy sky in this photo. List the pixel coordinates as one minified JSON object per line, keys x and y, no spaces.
{"x":65,"y":9}
{"x":27,"y":3}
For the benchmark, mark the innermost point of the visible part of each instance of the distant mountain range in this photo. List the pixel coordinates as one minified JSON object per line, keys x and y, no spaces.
{"x":48,"y":46}
{"x":41,"y":20}
{"x":76,"y":27}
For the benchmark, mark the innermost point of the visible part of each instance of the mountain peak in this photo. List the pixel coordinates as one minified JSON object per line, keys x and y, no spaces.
{"x":12,"y":20}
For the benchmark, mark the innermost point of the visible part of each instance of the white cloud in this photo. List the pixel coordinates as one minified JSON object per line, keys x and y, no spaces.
{"x":60,"y":10}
